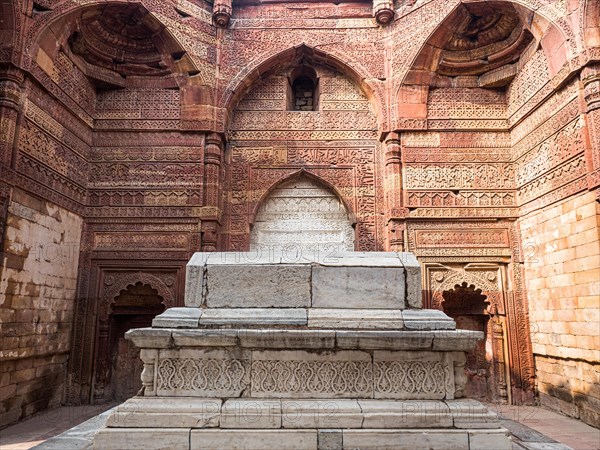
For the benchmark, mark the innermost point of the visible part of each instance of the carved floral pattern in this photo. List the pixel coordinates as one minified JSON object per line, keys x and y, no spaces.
{"x":200,"y":374}
{"x":307,"y":377}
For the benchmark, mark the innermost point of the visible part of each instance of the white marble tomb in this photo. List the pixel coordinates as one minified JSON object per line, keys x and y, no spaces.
{"x":277,"y":350}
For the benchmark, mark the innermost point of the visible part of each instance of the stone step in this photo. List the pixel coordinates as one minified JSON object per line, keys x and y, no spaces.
{"x":328,"y":339}
{"x":240,"y":413}
{"x":338,"y":318}
{"x":308,"y":439}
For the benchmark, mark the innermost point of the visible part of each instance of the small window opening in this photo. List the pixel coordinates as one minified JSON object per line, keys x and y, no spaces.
{"x":303,"y":94}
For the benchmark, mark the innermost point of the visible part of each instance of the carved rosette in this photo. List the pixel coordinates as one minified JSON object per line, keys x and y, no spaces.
{"x":383,"y":10}
{"x":222,"y":13}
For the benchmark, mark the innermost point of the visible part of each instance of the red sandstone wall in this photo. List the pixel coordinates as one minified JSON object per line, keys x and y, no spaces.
{"x":562,"y":266}
{"x":37,"y":291}
{"x":337,"y":143}
{"x":145,"y":163}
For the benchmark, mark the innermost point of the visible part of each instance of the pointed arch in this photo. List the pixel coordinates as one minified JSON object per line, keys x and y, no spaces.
{"x":56,"y":27}
{"x":239,"y":84}
{"x":547,"y":27}
{"x":591,"y":23}
{"x":313,"y":177}
{"x":304,"y":213}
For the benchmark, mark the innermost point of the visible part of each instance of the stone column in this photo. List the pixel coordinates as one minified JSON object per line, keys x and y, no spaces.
{"x":211,"y":210}
{"x":11,"y":81}
{"x":590,"y":77}
{"x":222,"y":12}
{"x":383,"y":10}
{"x":395,"y":211}
{"x":11,"y":95}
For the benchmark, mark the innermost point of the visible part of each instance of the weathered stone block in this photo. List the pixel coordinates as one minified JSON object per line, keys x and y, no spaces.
{"x":264,"y":286}
{"x":397,"y":375}
{"x":303,"y":374}
{"x":321,"y":414}
{"x":142,"y":438}
{"x":496,"y":439}
{"x":157,"y":412}
{"x":330,"y":439}
{"x":406,"y":439}
{"x":204,"y":338}
{"x":244,"y":413}
{"x":427,"y":319}
{"x":253,"y":439}
{"x":287,"y":339}
{"x":254,"y":316}
{"x":202,"y":373}
{"x":355,"y":318}
{"x":358,"y":287}
{"x":405,"y":414}
{"x":178,"y":318}
{"x":384,"y":339}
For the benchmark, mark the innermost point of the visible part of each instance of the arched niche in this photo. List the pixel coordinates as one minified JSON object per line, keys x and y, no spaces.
{"x":294,"y":57}
{"x":134,"y":307}
{"x":129,"y":300}
{"x":303,"y":90}
{"x":302,"y":214}
{"x":116,"y":45}
{"x":468,"y":306}
{"x":338,"y":143}
{"x":485,"y":43}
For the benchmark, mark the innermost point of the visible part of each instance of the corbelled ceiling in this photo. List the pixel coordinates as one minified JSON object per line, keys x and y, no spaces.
{"x":481,"y":37}
{"x":122,"y":38}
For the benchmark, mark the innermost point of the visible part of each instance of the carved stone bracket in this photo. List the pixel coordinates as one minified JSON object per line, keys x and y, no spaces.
{"x":383,"y":10}
{"x":222,"y":13}
{"x":11,"y":80}
{"x":150,"y":358}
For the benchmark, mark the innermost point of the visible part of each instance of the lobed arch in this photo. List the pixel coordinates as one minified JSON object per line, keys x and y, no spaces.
{"x":458,"y":278}
{"x":122,"y":282}
{"x":239,"y":85}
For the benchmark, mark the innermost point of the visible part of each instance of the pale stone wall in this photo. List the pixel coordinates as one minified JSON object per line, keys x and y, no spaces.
{"x":37,"y":290}
{"x":302,"y":216}
{"x":562,"y":268}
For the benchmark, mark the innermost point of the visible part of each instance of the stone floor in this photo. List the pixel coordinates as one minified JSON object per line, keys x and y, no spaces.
{"x":532,"y":428}
{"x":537,"y":428}
{"x":49,"y":429}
